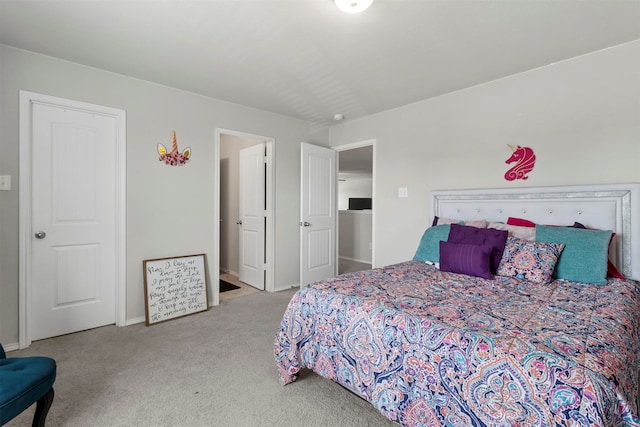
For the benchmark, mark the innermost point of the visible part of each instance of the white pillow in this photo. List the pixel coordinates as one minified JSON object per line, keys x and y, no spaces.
{"x":481,"y":223}
{"x":526,"y":233}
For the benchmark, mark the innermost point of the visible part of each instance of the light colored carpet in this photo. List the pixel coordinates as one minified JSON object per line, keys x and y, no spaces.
{"x":349,"y":266}
{"x":210,"y":369}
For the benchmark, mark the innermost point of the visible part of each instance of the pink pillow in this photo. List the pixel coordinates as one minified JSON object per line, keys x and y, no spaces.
{"x":520,"y":222}
{"x":473,"y":260}
{"x":612,"y":271}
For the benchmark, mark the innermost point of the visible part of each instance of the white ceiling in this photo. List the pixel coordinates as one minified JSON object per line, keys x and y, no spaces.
{"x":305,"y":58}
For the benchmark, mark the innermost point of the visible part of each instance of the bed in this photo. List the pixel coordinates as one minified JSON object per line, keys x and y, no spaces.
{"x":433,"y":343}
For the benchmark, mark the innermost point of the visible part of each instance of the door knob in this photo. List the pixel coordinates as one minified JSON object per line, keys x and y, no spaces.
{"x":239,"y":222}
{"x":40,"y":235}
{"x":304,"y":224}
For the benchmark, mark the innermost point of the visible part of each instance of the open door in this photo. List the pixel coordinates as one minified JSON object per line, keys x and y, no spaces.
{"x":252,"y":216}
{"x":318,"y":211}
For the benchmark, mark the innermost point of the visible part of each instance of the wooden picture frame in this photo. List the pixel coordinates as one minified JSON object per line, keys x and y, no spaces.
{"x":174,"y":287}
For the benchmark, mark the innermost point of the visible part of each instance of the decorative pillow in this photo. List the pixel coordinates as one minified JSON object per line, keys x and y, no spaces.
{"x":481,"y":223}
{"x":612,"y":271}
{"x":526,"y":233}
{"x":481,"y":236}
{"x":521,"y":222}
{"x":429,"y":247}
{"x":440,"y":221}
{"x":527,"y":260}
{"x":585,"y":255}
{"x":472,"y":260}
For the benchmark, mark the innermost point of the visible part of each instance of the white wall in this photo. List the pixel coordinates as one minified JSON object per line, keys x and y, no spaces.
{"x":354,"y":238}
{"x":581,"y":117}
{"x":169,"y":209}
{"x":353,"y":187}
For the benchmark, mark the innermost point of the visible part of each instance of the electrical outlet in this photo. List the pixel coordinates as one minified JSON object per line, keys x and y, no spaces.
{"x":403,"y":192}
{"x":5,"y":182}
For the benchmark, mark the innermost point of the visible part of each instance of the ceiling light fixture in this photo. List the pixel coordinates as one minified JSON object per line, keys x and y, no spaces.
{"x":353,"y":6}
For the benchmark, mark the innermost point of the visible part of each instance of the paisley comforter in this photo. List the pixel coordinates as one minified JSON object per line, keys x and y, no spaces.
{"x":429,"y":348}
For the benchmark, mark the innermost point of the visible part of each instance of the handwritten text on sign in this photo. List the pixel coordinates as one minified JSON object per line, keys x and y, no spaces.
{"x":175,"y":287}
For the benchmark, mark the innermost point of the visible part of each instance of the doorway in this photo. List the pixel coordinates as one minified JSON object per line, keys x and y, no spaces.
{"x":356,"y":202}
{"x":245,"y":243}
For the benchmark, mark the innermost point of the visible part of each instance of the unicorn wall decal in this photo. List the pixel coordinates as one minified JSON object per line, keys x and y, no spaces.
{"x":174,"y":158}
{"x":525,"y":159}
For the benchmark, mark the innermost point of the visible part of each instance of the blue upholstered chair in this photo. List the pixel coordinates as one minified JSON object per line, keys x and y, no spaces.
{"x":24,"y":381}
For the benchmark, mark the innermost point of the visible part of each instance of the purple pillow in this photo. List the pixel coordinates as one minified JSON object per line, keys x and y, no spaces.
{"x":481,"y":236}
{"x":472,"y":260}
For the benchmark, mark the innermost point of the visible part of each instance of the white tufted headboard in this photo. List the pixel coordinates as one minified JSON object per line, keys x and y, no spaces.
{"x":608,"y":207}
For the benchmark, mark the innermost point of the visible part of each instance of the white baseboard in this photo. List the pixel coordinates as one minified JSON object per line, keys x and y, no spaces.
{"x":134,"y":321}
{"x":286,"y":288}
{"x":11,"y":347}
{"x":356,"y":260}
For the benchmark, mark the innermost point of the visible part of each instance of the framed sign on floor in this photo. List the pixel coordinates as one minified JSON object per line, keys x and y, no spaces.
{"x":174,"y":287}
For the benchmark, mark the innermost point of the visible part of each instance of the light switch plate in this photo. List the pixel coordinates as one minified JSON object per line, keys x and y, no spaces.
{"x":5,"y":182}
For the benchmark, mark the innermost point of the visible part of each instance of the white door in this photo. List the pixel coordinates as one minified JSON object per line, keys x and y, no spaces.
{"x":73,"y":220}
{"x":317,"y":214}
{"x":252,"y":218}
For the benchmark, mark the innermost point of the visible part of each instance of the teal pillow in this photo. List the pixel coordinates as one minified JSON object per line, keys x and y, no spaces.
{"x":585,"y":254}
{"x":429,"y":248}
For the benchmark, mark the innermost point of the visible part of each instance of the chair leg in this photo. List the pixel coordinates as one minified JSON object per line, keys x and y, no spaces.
{"x":42,"y":409}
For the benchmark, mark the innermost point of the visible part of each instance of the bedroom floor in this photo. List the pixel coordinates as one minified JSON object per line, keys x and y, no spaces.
{"x":349,"y":266}
{"x":344,"y":266}
{"x":235,"y":293}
